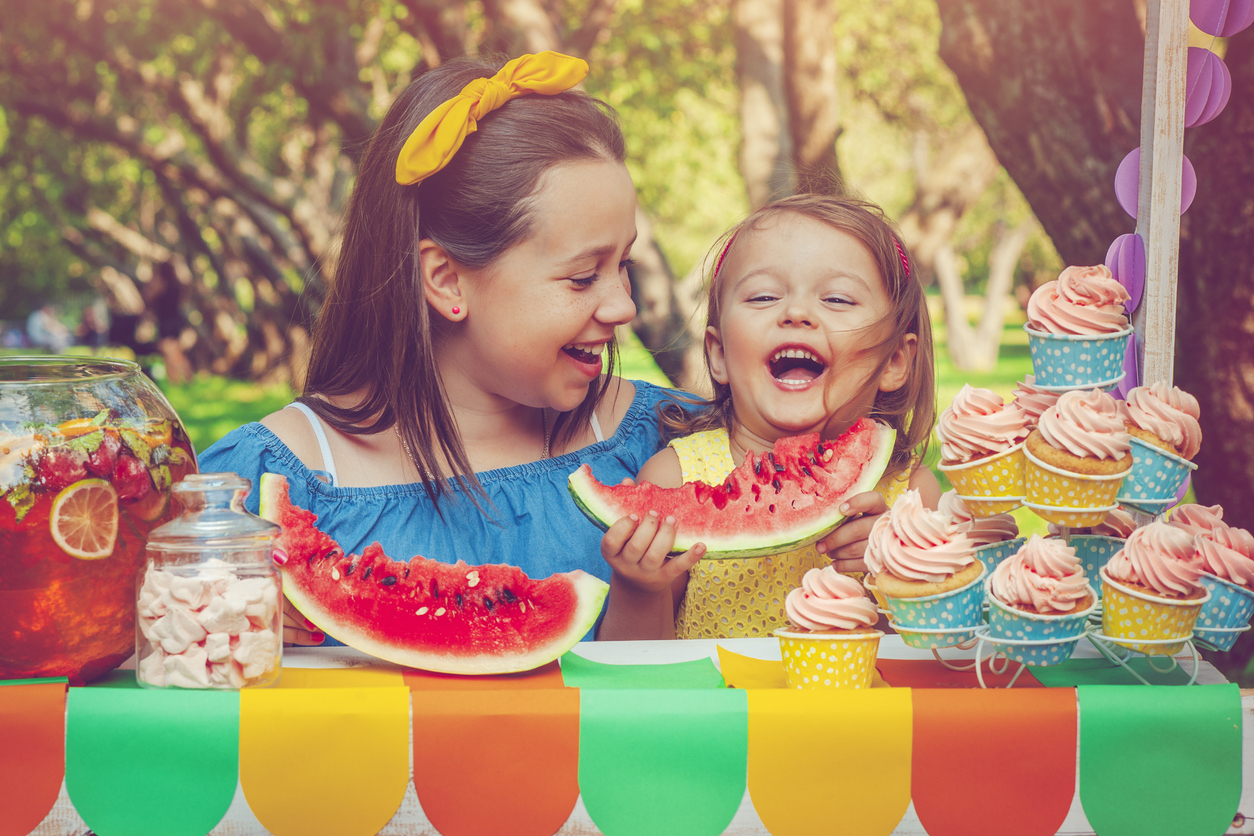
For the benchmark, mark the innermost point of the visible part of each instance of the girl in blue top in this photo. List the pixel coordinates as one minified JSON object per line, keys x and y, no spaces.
{"x":456,"y":376}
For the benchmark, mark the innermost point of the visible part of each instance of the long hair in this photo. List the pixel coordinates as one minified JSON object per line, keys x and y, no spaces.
{"x":910,"y":410}
{"x":375,"y":334}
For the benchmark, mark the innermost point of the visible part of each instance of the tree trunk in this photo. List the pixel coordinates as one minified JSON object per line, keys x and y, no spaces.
{"x":766,"y":146}
{"x":813,"y":105}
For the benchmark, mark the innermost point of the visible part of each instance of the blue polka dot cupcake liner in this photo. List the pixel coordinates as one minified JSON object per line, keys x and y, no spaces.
{"x":948,"y":617}
{"x":994,"y":553}
{"x":1031,"y":652}
{"x":1006,"y":622}
{"x":1094,"y":552}
{"x":1077,"y":360}
{"x":1156,"y":475}
{"x":1226,"y":615}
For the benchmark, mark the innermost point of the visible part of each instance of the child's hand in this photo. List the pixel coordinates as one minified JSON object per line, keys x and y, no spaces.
{"x":638,"y":550}
{"x":846,"y":546}
{"x":297,"y":629}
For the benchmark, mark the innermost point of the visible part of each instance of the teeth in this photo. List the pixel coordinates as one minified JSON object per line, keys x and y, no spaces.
{"x":591,"y":348}
{"x":798,"y":353}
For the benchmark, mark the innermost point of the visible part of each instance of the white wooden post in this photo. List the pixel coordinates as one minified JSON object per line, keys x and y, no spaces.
{"x":1162,"y":160}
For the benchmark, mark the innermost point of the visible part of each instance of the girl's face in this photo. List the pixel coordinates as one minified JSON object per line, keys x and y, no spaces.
{"x":803,"y":306}
{"x":537,"y":321}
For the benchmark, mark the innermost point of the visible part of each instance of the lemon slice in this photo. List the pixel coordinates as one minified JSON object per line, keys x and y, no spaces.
{"x":84,"y":519}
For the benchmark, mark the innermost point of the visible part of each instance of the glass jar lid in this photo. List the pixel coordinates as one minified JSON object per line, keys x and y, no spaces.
{"x":214,"y":520}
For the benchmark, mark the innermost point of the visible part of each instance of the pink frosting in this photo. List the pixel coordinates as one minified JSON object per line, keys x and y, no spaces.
{"x":1086,"y":423}
{"x":1044,"y":574}
{"x":1082,"y":300}
{"x":1228,"y":553}
{"x":981,"y":530}
{"x":1167,"y":412}
{"x":1160,"y":557}
{"x":1033,"y":401}
{"x":1197,"y":519}
{"x":978,"y":424}
{"x":1118,"y":523}
{"x":916,"y":544}
{"x":828,"y":600}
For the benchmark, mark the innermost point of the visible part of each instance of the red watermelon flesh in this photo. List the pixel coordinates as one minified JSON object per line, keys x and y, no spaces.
{"x":780,"y":500}
{"x":451,"y":618}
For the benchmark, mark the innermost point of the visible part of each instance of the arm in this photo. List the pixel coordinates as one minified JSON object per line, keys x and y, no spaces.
{"x":644,"y":576}
{"x":846,"y":546}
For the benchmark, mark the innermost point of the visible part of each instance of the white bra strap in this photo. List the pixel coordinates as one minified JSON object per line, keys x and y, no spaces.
{"x":328,"y":464}
{"x":596,"y":428}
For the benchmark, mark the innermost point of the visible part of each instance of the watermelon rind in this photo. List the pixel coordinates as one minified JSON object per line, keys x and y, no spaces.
{"x":599,"y":506}
{"x":589,"y":593}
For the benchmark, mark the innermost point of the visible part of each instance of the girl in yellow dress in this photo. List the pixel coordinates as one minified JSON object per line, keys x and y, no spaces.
{"x":815,"y":320}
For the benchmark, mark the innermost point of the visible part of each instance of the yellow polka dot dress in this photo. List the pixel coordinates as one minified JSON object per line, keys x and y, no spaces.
{"x":743,"y":597}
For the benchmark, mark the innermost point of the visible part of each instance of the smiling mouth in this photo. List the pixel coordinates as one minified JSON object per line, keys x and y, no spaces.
{"x":584,"y":353}
{"x":795,"y":365}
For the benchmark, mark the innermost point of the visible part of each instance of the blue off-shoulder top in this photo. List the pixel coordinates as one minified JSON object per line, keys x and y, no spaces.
{"x":532,"y":523}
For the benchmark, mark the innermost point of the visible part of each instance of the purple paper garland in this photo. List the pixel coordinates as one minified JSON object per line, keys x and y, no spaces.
{"x":1208,"y":84}
{"x":1126,"y":261}
{"x":1128,"y":182}
{"x":1221,"y":18}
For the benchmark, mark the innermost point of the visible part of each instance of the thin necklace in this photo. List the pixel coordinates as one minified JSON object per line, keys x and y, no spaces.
{"x":544,"y":422}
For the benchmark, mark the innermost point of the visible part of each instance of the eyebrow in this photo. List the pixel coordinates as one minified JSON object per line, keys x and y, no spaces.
{"x":599,"y":252}
{"x":766,"y":271}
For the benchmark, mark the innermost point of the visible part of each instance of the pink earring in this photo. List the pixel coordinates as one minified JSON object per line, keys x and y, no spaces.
{"x":456,"y":310}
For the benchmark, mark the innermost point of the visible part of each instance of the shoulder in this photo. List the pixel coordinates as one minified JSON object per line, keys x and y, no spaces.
{"x":292,"y":428}
{"x":924,"y":481}
{"x":663,"y":469}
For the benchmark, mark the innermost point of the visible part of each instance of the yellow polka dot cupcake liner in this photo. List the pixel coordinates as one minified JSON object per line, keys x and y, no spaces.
{"x":1076,"y":500}
{"x":1129,"y":614}
{"x":829,"y":660}
{"x":990,"y":483}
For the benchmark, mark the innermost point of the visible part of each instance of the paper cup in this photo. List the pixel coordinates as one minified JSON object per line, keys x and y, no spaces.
{"x":1222,"y":617}
{"x":1061,"y":493}
{"x":980,"y":506}
{"x":828,"y":660}
{"x":1094,"y":552}
{"x":995,"y":553}
{"x":1129,"y":614}
{"x":931,"y":618}
{"x":995,"y":477}
{"x":1009,"y":623}
{"x":1155,"y":477}
{"x":869,"y":582}
{"x":1077,"y":361}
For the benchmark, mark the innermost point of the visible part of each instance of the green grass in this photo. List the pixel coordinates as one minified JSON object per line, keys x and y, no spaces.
{"x":213,"y":406}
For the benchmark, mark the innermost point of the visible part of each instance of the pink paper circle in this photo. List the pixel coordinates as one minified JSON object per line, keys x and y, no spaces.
{"x":1126,"y":260}
{"x":1221,"y":18}
{"x":1128,"y":176}
{"x":1208,"y":85}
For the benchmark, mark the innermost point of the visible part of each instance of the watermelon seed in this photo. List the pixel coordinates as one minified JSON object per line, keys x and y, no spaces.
{"x":421,"y":611}
{"x":757,"y":467}
{"x":472,"y":579}
{"x":776,"y":485}
{"x":440,"y":611}
{"x":458,"y":597}
{"x":366,"y":574}
{"x":806,"y":471}
{"x":435,"y":589}
{"x":508,"y":596}
{"x":335,"y":574}
{"x":771,"y":509}
{"x":350,"y":569}
{"x":406,"y":573}
{"x":779,"y":468}
{"x":487,"y":604}
{"x":390,"y":580}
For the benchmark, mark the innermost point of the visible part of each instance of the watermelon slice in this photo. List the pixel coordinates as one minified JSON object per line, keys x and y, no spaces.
{"x":451,"y":618}
{"x":784,"y":499}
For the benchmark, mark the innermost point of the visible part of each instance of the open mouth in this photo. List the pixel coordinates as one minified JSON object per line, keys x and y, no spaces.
{"x":795,"y":365}
{"x":584,"y":353}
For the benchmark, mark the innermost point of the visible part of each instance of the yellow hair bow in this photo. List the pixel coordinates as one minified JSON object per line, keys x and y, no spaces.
{"x":437,"y":138}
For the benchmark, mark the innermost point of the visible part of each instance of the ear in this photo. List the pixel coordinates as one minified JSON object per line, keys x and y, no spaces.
{"x":718,"y":359}
{"x":900,"y":363}
{"x":441,"y":280}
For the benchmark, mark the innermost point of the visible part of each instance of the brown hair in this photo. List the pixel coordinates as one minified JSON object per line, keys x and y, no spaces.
{"x":910,"y":410}
{"x":375,"y":331}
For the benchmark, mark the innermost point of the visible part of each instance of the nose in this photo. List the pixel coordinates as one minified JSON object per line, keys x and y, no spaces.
{"x":616,"y":307}
{"x":796,"y":314}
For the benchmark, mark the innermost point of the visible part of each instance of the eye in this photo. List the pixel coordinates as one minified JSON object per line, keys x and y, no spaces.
{"x":762,"y":297}
{"x":626,"y":262}
{"x":584,"y":283}
{"x":834,"y":299}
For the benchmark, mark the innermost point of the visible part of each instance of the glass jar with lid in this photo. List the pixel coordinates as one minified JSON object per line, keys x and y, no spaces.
{"x":209,"y":599}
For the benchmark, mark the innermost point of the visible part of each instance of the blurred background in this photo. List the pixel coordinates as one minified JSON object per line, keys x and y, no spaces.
{"x":173,"y":172}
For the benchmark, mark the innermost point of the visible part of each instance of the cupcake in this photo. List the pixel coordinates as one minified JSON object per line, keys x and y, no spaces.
{"x":830,"y":641}
{"x":1077,"y":329}
{"x":1077,"y":458}
{"x":1163,"y":423}
{"x":1228,"y":575}
{"x":1152,"y":590}
{"x":1039,"y":602}
{"x":1033,"y":400}
{"x":982,"y":450}
{"x":925,"y":570}
{"x":995,"y":538}
{"x":1197,"y":519}
{"x":1095,"y":546}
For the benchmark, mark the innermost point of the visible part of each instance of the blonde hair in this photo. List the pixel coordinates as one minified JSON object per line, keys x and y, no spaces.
{"x":910,"y":410}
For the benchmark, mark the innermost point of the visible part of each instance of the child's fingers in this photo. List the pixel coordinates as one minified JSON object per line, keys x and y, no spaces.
{"x":659,"y":550}
{"x":857,"y":565}
{"x":636,"y":548}
{"x":616,"y":536}
{"x":676,"y":566}
{"x":868,"y":502}
{"x":863,"y":509}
